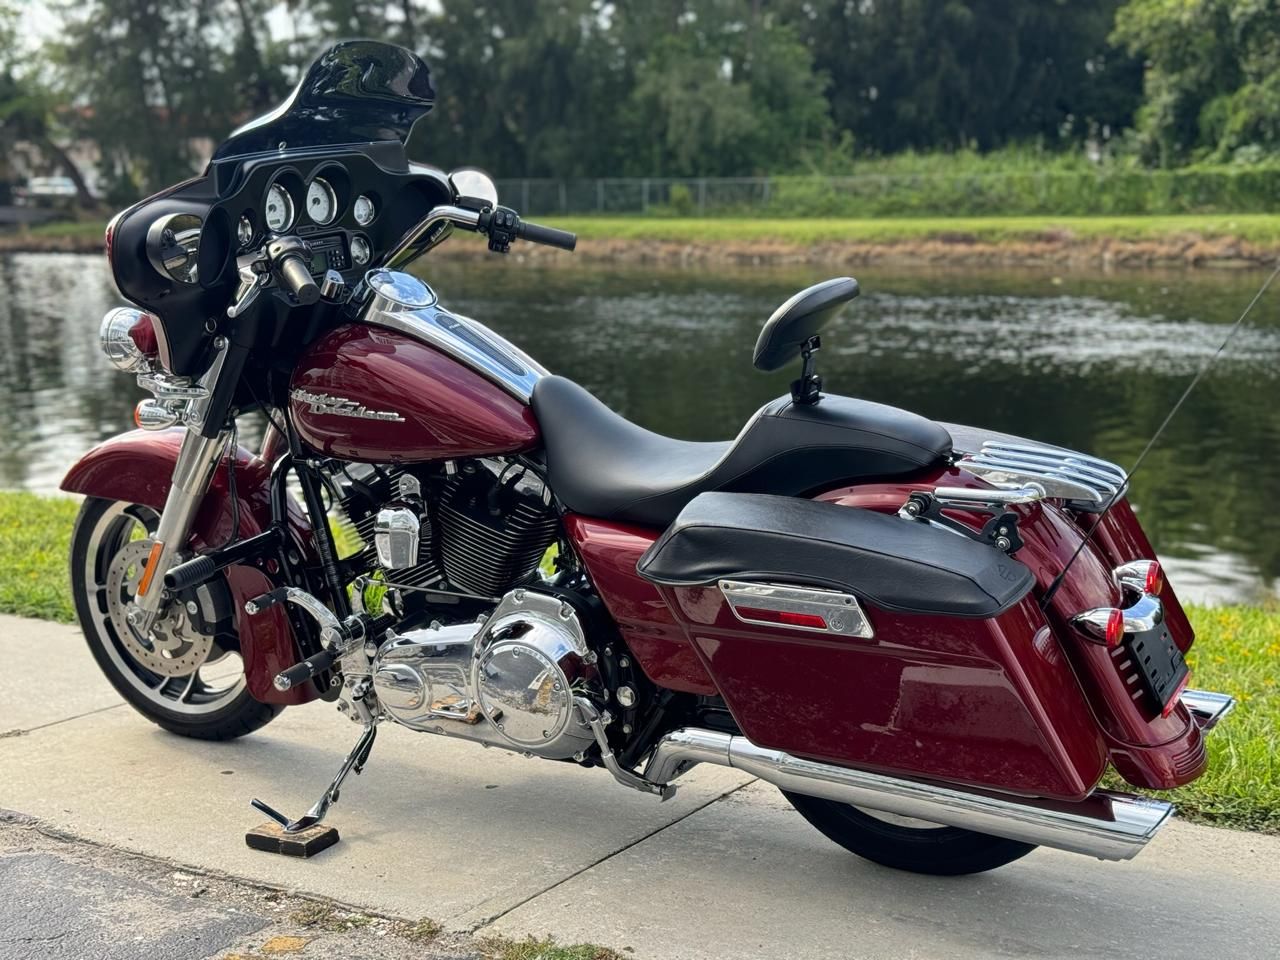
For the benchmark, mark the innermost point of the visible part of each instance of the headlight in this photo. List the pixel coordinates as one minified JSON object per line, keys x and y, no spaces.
{"x":128,"y":338}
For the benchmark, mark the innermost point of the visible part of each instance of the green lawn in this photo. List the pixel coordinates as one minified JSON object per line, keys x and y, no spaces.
{"x":1238,"y":652}
{"x":1263,"y":229}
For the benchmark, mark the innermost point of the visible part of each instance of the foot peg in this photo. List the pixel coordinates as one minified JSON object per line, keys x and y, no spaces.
{"x":355,"y":761}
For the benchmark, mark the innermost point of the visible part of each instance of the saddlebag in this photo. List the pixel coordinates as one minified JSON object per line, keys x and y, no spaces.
{"x":950,"y":670}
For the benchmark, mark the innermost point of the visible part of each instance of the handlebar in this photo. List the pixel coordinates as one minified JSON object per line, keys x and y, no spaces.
{"x":289,"y":257}
{"x":296,"y":277}
{"x":537,"y":233}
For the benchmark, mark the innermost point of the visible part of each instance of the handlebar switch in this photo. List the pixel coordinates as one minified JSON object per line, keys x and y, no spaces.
{"x":502,"y":224}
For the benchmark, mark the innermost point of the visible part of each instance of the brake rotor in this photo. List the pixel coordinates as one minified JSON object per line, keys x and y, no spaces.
{"x":173,"y":647}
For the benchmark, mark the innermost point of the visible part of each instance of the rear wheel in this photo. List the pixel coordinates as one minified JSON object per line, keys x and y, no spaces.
{"x":187,"y":681}
{"x":907,"y":844}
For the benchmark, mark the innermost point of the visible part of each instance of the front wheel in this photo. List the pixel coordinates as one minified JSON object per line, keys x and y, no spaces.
{"x":189,"y":682}
{"x":907,"y":844}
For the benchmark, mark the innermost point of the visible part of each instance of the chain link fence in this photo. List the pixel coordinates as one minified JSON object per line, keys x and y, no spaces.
{"x":1082,"y":193}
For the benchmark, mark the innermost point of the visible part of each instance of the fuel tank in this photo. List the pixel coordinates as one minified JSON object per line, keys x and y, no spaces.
{"x":378,"y":395}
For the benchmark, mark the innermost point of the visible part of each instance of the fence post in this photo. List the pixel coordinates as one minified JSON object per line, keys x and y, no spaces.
{"x":599,"y":195}
{"x":524,"y":195}
{"x":767,"y":182}
{"x":644,"y":195}
{"x":564,"y":203}
{"x":702,"y":195}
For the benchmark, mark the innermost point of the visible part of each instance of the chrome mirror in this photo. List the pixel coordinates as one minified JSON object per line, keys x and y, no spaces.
{"x":474,"y":184}
{"x":173,"y":245}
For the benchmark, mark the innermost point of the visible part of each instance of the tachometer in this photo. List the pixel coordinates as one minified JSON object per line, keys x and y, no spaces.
{"x":279,"y":209}
{"x":322,"y":202}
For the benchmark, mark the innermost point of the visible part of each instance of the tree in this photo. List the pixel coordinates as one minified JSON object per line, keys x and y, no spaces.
{"x":925,"y":74}
{"x":28,"y":109}
{"x":1212,"y":82}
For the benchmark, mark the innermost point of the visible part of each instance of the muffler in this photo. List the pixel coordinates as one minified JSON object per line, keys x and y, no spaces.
{"x":1110,"y":826}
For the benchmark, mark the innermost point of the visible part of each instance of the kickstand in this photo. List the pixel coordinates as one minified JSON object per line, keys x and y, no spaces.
{"x":355,"y":761}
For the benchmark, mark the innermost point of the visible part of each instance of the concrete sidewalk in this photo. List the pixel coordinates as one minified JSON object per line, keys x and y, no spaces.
{"x":486,"y":841}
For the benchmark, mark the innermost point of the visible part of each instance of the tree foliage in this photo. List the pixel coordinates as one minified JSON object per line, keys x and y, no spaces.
{"x":571,"y":88}
{"x":1212,"y":85}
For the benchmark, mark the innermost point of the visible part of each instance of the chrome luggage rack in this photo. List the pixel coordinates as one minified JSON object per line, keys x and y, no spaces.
{"x":1087,"y":482}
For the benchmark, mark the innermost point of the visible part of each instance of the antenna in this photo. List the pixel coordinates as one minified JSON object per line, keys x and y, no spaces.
{"x":1057,"y":581}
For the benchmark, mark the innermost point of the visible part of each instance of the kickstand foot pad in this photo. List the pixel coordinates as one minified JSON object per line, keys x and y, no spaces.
{"x":272,"y":838}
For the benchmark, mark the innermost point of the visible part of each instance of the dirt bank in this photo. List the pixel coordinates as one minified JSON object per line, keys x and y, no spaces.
{"x":943,"y":248}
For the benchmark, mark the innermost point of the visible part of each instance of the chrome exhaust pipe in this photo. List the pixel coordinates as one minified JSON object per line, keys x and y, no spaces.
{"x":1109,"y":826}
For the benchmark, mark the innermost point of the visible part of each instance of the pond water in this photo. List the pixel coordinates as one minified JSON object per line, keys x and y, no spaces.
{"x":1082,"y":359}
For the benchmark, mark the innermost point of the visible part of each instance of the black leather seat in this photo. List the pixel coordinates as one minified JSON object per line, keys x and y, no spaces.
{"x":602,"y":465}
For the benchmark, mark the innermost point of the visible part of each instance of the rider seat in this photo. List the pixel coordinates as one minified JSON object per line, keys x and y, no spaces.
{"x":603,"y":465}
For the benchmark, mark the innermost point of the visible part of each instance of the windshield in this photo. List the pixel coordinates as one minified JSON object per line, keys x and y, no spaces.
{"x":357,"y":91}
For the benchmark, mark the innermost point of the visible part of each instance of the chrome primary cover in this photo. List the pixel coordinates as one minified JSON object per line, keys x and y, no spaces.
{"x":404,"y":303}
{"x":509,"y":682}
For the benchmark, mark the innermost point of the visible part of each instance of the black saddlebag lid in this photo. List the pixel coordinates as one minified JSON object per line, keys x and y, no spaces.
{"x":891,"y":562}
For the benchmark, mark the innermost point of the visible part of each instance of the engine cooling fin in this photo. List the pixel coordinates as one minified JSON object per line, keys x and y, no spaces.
{"x":491,"y":536}
{"x":1087,"y":482}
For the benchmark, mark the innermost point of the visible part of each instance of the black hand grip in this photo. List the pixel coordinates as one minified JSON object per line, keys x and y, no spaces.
{"x":537,"y":233}
{"x":304,"y":671}
{"x":295,"y":275}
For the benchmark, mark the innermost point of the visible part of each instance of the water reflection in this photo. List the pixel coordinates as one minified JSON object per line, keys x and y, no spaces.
{"x":1081,"y":359}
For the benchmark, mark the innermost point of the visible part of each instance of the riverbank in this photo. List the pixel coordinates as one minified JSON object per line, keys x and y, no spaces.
{"x":1218,"y":241}
{"x":1238,"y":652}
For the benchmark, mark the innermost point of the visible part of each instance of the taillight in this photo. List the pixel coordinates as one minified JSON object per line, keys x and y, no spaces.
{"x":1176,"y":697}
{"x":1103,"y":625}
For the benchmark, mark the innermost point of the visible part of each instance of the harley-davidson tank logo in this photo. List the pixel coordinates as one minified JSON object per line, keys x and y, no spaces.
{"x":341,"y":406}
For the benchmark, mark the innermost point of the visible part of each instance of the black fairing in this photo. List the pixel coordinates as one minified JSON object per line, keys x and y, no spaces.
{"x":346,"y":121}
{"x":888,"y":561}
{"x":357,"y":91}
{"x":602,"y":465}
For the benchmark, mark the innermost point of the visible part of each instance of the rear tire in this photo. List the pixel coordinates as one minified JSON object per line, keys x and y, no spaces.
{"x":210,"y":701}
{"x":937,"y":850}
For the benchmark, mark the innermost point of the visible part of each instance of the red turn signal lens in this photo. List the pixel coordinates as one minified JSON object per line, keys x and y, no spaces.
{"x":783,"y":618}
{"x":1103,"y":625}
{"x":1115,"y":628}
{"x":1155,"y":578}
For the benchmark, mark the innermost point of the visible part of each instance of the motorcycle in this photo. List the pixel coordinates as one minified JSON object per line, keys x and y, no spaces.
{"x":934,"y":639}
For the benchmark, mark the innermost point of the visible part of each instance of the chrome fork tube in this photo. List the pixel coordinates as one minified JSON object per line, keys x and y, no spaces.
{"x":191,"y":475}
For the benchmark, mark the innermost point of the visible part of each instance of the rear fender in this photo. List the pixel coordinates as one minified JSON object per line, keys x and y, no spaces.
{"x":137,"y":467}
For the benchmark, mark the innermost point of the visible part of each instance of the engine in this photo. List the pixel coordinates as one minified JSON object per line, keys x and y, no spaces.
{"x":477,"y":527}
{"x":463,"y":543}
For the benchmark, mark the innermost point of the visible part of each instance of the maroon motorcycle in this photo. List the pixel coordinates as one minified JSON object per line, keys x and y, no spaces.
{"x":934,"y":639}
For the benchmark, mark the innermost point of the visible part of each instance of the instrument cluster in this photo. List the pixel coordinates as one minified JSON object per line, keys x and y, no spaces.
{"x":324,"y":200}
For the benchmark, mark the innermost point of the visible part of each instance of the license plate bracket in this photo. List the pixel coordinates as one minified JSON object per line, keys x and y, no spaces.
{"x":1159,"y":663}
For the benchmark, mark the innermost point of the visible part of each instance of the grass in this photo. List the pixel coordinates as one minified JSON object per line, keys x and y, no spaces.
{"x":1237,"y":652}
{"x":35,"y":541}
{"x":1261,"y":229}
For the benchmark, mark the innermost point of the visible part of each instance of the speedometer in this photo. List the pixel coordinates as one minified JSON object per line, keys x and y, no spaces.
{"x":322,"y":202}
{"x":279,"y":209}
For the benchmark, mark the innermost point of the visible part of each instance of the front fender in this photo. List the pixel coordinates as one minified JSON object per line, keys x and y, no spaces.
{"x":137,"y":467}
